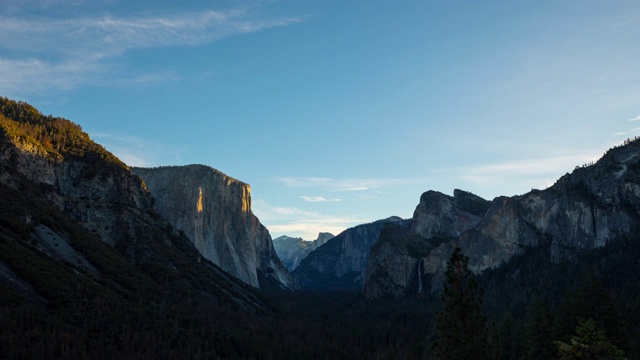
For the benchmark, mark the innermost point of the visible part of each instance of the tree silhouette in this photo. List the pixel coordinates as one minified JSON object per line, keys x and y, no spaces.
{"x":461,"y":331}
{"x":539,"y":332}
{"x":589,"y":343}
{"x":592,"y":301}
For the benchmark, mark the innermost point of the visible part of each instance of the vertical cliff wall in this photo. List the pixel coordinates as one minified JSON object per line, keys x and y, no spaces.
{"x":408,"y":254}
{"x":584,"y":210}
{"x":214,"y":211}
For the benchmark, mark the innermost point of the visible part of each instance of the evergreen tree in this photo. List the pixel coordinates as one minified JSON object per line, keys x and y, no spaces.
{"x":589,"y":343}
{"x":507,"y":338}
{"x":539,"y":332}
{"x":592,"y":301}
{"x":461,"y":331}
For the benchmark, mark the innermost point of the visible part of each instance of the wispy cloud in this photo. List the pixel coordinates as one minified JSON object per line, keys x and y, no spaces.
{"x":629,"y":132}
{"x":135,"y":151}
{"x":534,"y":166}
{"x":537,"y":172}
{"x":96,"y":37}
{"x":34,"y":76}
{"x":330,"y":184}
{"x":318,"y":199}
{"x":360,"y":188}
{"x":72,"y":52}
{"x":293,"y":221}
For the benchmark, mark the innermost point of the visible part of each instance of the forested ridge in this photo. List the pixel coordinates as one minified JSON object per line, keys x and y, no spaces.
{"x":527,"y":323}
{"x":54,"y":135}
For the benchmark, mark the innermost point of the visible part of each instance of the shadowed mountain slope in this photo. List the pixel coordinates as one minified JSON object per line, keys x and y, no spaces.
{"x":584,"y":210}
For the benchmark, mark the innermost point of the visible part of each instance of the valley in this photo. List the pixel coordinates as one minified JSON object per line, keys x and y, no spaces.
{"x":102,"y":260}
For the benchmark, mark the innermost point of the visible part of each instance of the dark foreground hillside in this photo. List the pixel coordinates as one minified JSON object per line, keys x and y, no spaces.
{"x":526,"y":313}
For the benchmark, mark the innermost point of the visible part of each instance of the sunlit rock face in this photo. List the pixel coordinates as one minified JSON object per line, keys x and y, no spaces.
{"x":214,"y":211}
{"x":340,"y":263}
{"x":292,"y":251}
{"x":583,"y":210}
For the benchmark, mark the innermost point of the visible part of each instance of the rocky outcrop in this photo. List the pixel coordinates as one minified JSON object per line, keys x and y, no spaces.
{"x":292,"y":251}
{"x":583,"y":210}
{"x":405,"y":252}
{"x":105,"y":197}
{"x":340,"y":263}
{"x":214,"y":211}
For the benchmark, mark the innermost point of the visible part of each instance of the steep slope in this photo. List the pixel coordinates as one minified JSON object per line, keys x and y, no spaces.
{"x":399,"y":260}
{"x":584,"y":210}
{"x":292,"y":251}
{"x":214,"y":211}
{"x":81,"y":242}
{"x":340,"y":263}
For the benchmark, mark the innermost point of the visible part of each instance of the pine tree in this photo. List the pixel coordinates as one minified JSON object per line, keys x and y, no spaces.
{"x":592,"y":301}
{"x":589,"y":343}
{"x":539,"y":332}
{"x":507,"y":338}
{"x":461,"y":331}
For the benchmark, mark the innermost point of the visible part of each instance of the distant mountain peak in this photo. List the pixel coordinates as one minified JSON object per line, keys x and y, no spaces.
{"x":292,"y":251}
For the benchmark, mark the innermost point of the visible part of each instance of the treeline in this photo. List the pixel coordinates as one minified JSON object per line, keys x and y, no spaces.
{"x":54,"y":135}
{"x":535,"y":304}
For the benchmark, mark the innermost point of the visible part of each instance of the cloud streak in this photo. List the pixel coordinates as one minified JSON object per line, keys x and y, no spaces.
{"x":318,"y":199}
{"x":69,"y":53}
{"x":135,"y":151}
{"x":293,"y":221}
{"x":109,"y":35}
{"x":629,"y":132}
{"x":330,"y":184}
{"x":537,"y":172}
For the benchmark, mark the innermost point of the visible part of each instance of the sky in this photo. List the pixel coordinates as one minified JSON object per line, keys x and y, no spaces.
{"x":337,"y":113}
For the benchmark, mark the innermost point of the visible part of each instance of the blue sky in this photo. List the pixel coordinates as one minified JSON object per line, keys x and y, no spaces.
{"x":336,"y":112}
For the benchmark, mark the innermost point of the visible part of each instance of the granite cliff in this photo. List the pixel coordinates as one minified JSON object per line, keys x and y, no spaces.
{"x":214,"y":211}
{"x":71,"y":204}
{"x":340,"y":262}
{"x":292,"y":251}
{"x":400,"y":259}
{"x":583,"y":210}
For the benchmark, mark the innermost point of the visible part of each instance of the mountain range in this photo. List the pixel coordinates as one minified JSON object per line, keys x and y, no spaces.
{"x":584,"y":210}
{"x":101,"y":260}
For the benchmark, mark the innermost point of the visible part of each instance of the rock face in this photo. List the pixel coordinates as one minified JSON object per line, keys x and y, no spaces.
{"x":292,"y":251}
{"x":214,"y":211}
{"x":74,"y":197}
{"x":104,"y":196}
{"x":340,"y":263}
{"x":399,"y":261}
{"x":581,"y":211}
